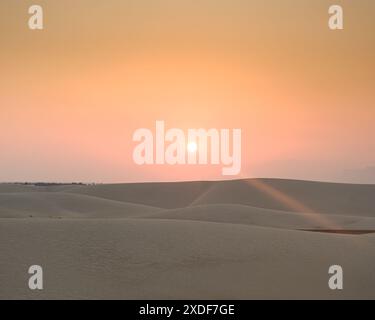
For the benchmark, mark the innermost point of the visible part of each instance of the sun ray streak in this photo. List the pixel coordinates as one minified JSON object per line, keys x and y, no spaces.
{"x":293,"y":204}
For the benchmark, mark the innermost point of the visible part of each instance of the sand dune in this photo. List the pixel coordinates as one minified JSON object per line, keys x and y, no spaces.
{"x":179,"y":259}
{"x":241,"y":214}
{"x":196,"y":240}
{"x":164,"y":195}
{"x":295,"y":196}
{"x":278,"y":194}
{"x":65,"y":205}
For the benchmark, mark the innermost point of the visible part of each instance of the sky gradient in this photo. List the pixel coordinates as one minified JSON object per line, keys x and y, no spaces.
{"x":72,"y":95}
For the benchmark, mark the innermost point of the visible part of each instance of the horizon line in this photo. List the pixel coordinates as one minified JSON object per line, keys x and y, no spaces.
{"x":51,"y":183}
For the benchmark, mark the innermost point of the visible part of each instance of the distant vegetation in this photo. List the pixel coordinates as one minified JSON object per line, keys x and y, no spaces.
{"x":49,"y":184}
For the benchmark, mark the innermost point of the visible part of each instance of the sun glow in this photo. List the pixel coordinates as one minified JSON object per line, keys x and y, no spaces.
{"x":192,"y":147}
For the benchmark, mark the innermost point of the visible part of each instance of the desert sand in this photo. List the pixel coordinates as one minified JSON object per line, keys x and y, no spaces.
{"x":243,"y":239}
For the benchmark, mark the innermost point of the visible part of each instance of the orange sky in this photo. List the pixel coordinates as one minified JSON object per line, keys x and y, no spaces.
{"x":72,"y":95}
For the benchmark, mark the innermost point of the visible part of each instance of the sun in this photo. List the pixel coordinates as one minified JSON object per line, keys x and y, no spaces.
{"x":192,"y":147}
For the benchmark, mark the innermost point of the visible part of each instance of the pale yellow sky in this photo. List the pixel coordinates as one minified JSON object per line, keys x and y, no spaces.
{"x":72,"y":94}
